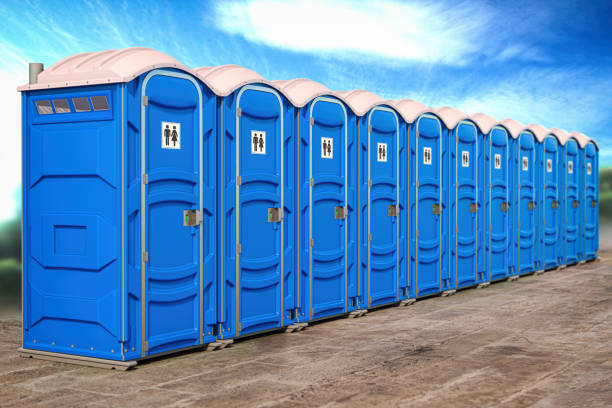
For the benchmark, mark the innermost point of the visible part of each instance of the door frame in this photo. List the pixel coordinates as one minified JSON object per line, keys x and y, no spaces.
{"x":508,"y":181}
{"x":310,"y":186}
{"x":237,"y":115}
{"x":143,"y":207}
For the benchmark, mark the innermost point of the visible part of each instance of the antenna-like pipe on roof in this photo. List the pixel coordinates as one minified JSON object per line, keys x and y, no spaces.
{"x":35,"y":69}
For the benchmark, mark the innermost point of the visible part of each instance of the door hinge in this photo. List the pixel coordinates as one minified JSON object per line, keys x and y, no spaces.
{"x":457,"y":230}
{"x":311,"y":242}
{"x":370,"y":128}
{"x":519,"y":224}
{"x":417,"y":233}
{"x":417,"y":183}
{"x":490,"y":227}
{"x":311,"y":121}
{"x":369,"y":237}
{"x":238,"y":180}
{"x":239,"y":326}
{"x":146,"y":346}
{"x":370,"y":183}
{"x":312,"y":181}
{"x":145,"y":256}
{"x":238,"y":249}
{"x":238,"y":112}
{"x":145,"y":179}
{"x":311,"y":312}
{"x":145,"y":100}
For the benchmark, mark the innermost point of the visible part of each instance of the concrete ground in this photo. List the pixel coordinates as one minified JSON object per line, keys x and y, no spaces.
{"x":542,"y":341}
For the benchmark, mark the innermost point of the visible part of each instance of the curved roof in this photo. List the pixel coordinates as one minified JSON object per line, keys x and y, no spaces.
{"x":361,"y":101}
{"x":484,"y":122}
{"x":514,"y":127}
{"x":450,"y":116}
{"x":409,"y":109}
{"x":300,"y":91}
{"x":560,"y":134}
{"x":225,"y":79}
{"x":103,"y":67}
{"x":539,"y":131}
{"x":581,"y":138}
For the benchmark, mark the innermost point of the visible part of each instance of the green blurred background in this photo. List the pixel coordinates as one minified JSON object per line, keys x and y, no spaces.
{"x":10,"y":246}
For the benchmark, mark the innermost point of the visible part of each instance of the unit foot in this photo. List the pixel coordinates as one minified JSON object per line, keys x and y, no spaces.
{"x":483,"y":285}
{"x":447,"y":293}
{"x":225,"y":343}
{"x":562,"y":267}
{"x":292,"y":328}
{"x":213,"y":346}
{"x":541,"y":271}
{"x":581,"y":262}
{"x":80,"y":360}
{"x":512,"y":278}
{"x":407,"y":302}
{"x":302,"y":326}
{"x":357,"y":313}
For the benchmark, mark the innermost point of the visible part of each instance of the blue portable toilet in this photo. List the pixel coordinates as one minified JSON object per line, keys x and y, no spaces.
{"x":119,"y":174}
{"x":381,"y":223}
{"x":553,"y":188}
{"x":526,"y":162}
{"x":498,"y":187}
{"x":428,"y":181}
{"x":572,"y":200}
{"x":255,"y":192}
{"x":326,"y":201}
{"x":465,"y":201}
{"x":589,"y":181}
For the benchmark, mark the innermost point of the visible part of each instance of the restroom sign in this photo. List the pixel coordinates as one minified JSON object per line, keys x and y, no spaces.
{"x":171,"y":135}
{"x":427,"y":155}
{"x":258,"y":142}
{"x":589,"y":168}
{"x":525,"y":163}
{"x":382,"y":152}
{"x":327,"y":148}
{"x":549,"y":165}
{"x":570,"y":167}
{"x":465,"y":158}
{"x":497,"y":161}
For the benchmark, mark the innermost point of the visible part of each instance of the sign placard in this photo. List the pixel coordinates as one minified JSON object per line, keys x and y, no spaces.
{"x":525,"y":163}
{"x":497,"y":161}
{"x":382,"y":152}
{"x":258,"y":142}
{"x":465,"y":158}
{"x":327,"y":148}
{"x":549,"y":165}
{"x":570,"y":167}
{"x":427,"y":155}
{"x":171,"y":135}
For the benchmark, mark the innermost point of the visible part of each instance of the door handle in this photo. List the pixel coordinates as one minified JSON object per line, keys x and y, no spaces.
{"x":393,"y":210}
{"x":593,"y":203}
{"x":504,"y":206}
{"x":555,"y":205}
{"x":473,"y":207}
{"x":339,"y":212}
{"x":436,"y":209}
{"x":531,"y":205}
{"x":575,"y":204}
{"x":275,"y":214}
{"x":192,"y":218}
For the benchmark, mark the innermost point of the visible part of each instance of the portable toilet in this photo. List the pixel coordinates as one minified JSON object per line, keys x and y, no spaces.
{"x":326,"y":201}
{"x":588,"y":197}
{"x":382,"y":226}
{"x":553,"y":188}
{"x":118,"y":160}
{"x":465,"y":202}
{"x":255,"y":191}
{"x":526,"y":159}
{"x":572,"y":200}
{"x":428,"y":198}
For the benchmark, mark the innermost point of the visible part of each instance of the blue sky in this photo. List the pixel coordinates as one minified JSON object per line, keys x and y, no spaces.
{"x":544,"y":62}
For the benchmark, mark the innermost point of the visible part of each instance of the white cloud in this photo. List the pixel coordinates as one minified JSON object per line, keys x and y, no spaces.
{"x":10,"y":144}
{"x":425,"y":32}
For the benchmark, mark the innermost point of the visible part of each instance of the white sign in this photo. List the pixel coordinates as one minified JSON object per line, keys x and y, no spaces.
{"x":382,"y":152}
{"x":258,"y":142}
{"x":589,"y":168}
{"x":570,"y":167}
{"x":427,"y":155}
{"x":171,"y":135}
{"x":497,"y":161}
{"x":465,"y":158}
{"x":549,"y":165}
{"x":327,"y":148}
{"x":525,"y":163}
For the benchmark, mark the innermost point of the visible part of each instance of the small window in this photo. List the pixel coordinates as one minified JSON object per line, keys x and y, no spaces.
{"x":61,"y":106}
{"x":81,"y":104}
{"x":44,"y":107}
{"x":99,"y":103}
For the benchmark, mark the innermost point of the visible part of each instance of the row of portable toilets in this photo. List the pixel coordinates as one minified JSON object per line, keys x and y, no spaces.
{"x":167,"y":208}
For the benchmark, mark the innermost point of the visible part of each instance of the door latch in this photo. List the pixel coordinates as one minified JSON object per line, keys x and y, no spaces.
{"x":531,"y":205}
{"x":436,"y":209}
{"x":504,"y":206}
{"x":192,"y":218}
{"x":339,"y":212}
{"x":593,"y":203}
{"x":393,"y":210}
{"x":555,"y":205}
{"x":473,"y":207}
{"x":275,"y":214}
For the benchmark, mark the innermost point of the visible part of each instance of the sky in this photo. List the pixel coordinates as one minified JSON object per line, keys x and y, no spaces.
{"x":536,"y":62}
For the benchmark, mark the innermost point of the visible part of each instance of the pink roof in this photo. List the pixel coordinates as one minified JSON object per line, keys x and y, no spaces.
{"x":102,"y":67}
{"x":300,"y":91}
{"x":410,"y":110}
{"x":361,"y":101}
{"x":450,"y":116}
{"x":539,"y":131}
{"x":225,"y":79}
{"x":582,"y":139}
{"x":561,"y":135}
{"x":484,"y":122}
{"x":515,"y":128}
